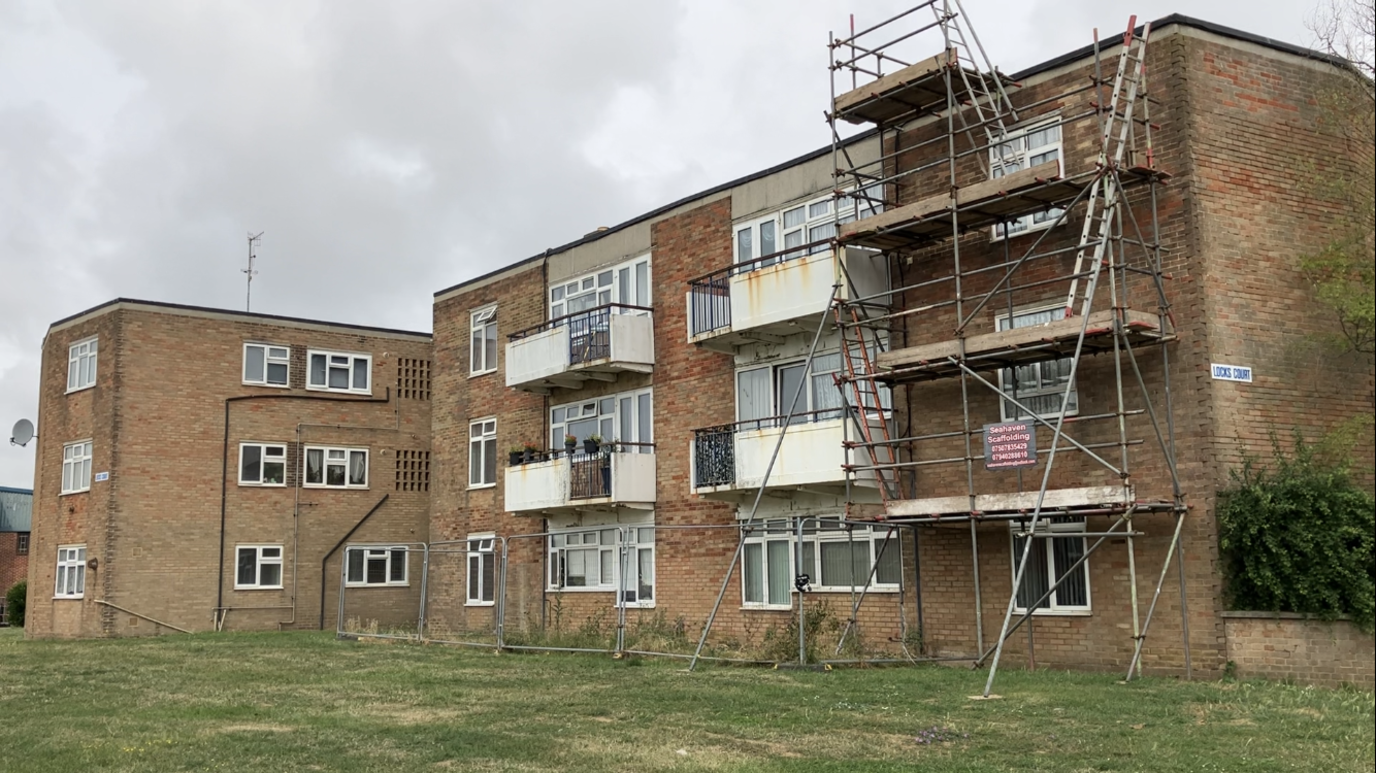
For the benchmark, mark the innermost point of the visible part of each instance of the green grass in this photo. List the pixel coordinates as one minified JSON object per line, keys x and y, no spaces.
{"x":285,"y":702}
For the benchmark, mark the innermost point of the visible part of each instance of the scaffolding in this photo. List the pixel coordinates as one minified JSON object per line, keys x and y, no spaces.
{"x":975,"y":198}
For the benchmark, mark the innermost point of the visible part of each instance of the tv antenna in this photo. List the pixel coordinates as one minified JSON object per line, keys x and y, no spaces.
{"x":22,"y":433}
{"x":250,"y":272}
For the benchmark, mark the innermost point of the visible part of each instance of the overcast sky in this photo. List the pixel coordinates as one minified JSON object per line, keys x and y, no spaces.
{"x":391,"y":149}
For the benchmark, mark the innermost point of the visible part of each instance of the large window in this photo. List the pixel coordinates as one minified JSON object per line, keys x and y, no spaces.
{"x":76,"y":467}
{"x":376,"y":566}
{"x":628,"y":284}
{"x":482,"y":570}
{"x":1055,"y":548}
{"x":763,"y":394}
{"x":482,"y":453}
{"x":482,"y":326}
{"x":262,"y":464}
{"x":834,"y":559}
{"x":1041,"y":385}
{"x":266,"y":365}
{"x":806,"y":223}
{"x":627,"y":418}
{"x":1025,"y":148}
{"x":336,"y":467}
{"x":81,"y":365}
{"x":258,"y":567}
{"x":71,"y":572}
{"x":340,"y":372}
{"x":590,"y":559}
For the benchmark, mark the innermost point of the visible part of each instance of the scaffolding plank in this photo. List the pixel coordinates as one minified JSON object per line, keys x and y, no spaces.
{"x":917,"y":86}
{"x":1005,"y":348}
{"x":1026,"y":501}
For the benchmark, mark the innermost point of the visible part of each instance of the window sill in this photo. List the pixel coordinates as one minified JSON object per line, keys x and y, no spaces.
{"x":766,"y":608}
{"x":377,"y":584}
{"x":258,"y":587}
{"x":475,"y":374}
{"x":80,"y":389}
{"x":269,"y":386}
{"x":69,"y":598}
{"x":480,"y":603}
{"x":995,"y":236}
{"x":360,"y":392}
{"x":1057,"y":612}
{"x":481,"y":486}
{"x":86,"y":490}
{"x":323,"y":487}
{"x":243,"y":484}
{"x":872,"y":590}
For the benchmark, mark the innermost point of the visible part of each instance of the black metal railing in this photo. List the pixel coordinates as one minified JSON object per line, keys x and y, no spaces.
{"x":709,"y":296}
{"x":590,"y":474}
{"x":714,"y":448}
{"x":604,"y":311}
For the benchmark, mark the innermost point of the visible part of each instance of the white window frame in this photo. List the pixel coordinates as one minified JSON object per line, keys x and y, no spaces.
{"x":1049,"y":530}
{"x":815,"y":535}
{"x":273,"y":354}
{"x":482,"y":552}
{"x":800,"y":223}
{"x":629,"y":420}
{"x":818,"y":379}
{"x":630,"y":283}
{"x":81,"y":354}
{"x":482,"y":452}
{"x":482,"y":326}
{"x":333,"y":456}
{"x":279,"y":456}
{"x":70,"y":581}
{"x":1008,"y":412}
{"x":603,"y":549}
{"x":262,"y":556}
{"x":384,"y":553}
{"x":1015,"y":155}
{"x":76,"y":467}
{"x":354,"y":360}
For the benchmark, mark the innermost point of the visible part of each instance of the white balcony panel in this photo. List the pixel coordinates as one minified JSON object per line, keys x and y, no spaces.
{"x":633,"y":478}
{"x":810,"y":454}
{"x":537,"y":357}
{"x":537,"y":486}
{"x":633,"y":340}
{"x":547,"y":486}
{"x":791,"y":290}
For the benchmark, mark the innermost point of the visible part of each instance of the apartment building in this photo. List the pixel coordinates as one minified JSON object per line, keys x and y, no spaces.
{"x":16,"y":511}
{"x":200,"y":469}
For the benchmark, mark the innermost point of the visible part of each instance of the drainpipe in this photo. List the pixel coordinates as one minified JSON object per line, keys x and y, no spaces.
{"x":337,"y":545}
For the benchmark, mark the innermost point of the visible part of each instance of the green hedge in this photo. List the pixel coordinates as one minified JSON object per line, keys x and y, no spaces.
{"x":15,"y":600}
{"x":1298,"y":537}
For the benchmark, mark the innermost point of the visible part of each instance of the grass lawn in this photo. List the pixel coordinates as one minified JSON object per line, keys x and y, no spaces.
{"x":294,"y":701}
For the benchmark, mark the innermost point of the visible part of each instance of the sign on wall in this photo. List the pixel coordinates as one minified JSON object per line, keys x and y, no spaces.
{"x":1241,"y":373}
{"x":1009,"y":445}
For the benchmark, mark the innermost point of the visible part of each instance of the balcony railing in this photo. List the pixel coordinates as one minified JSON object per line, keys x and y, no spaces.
{"x":610,"y":338}
{"x":724,"y":454}
{"x":709,"y":296}
{"x":564,"y":479}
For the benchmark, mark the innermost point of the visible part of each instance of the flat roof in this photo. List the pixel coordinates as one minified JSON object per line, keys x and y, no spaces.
{"x":1050,"y":64}
{"x":16,"y":509}
{"x":250,"y":315}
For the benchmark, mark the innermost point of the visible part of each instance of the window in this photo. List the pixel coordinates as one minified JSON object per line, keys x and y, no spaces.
{"x":262,"y":464}
{"x":628,"y":284}
{"x":338,"y":372}
{"x":76,"y":467}
{"x":482,"y":453}
{"x":588,"y":560}
{"x":336,"y":467}
{"x":483,"y":326}
{"x":482,"y":570}
{"x":809,"y":222}
{"x":81,"y":365}
{"x":21,"y":543}
{"x":266,"y":365}
{"x":71,"y":572}
{"x":834,"y":559}
{"x":1041,"y":385}
{"x":627,"y":417}
{"x":376,"y":566}
{"x":1025,"y":148}
{"x":258,"y":567}
{"x":1049,"y":560}
{"x":762,"y":394}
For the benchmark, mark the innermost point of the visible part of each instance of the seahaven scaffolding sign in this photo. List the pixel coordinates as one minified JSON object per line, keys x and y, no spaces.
{"x":1009,"y":445}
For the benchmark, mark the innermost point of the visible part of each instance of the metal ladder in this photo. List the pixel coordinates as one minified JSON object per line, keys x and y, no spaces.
{"x":858,"y":360}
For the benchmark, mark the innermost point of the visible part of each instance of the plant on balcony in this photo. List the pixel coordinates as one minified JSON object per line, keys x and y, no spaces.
{"x":529,"y":452}
{"x":514,"y":455}
{"x":570,"y":443}
{"x":591,"y":443}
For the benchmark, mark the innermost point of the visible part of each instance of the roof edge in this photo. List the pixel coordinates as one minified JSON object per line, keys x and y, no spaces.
{"x":252,"y":315}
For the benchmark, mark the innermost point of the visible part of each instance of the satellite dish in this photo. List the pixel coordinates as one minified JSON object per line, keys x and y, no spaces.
{"x":22,"y":432}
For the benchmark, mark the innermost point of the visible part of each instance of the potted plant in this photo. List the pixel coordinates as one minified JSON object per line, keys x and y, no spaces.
{"x":528,"y":453}
{"x":591,"y":443}
{"x":514,"y":455}
{"x":570,"y":443}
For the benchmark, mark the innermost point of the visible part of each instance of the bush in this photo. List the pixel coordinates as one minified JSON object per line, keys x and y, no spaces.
{"x":1299,"y":537}
{"x":15,"y":599}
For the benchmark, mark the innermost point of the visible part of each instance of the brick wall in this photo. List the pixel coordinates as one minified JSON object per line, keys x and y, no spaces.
{"x":14,"y":566}
{"x":1291,"y":647}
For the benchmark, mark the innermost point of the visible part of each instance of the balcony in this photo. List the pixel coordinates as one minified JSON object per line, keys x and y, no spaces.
{"x":730,"y":460}
{"x":592,"y":345}
{"x":767,"y":299}
{"x":562,"y":482}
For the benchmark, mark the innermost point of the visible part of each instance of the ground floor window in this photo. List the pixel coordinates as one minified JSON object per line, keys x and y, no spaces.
{"x":482,"y":569}
{"x":258,"y":567}
{"x":594,"y":558}
{"x":376,"y":566}
{"x":835,"y":559}
{"x":71,"y":572}
{"x":1054,"y":551}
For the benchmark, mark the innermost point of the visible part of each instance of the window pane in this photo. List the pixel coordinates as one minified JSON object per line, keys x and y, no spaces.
{"x":645,"y":419}
{"x":317,"y":370}
{"x":753,"y":571}
{"x":767,"y":238}
{"x":845,"y":564}
{"x":360,"y":373}
{"x":890,"y":571}
{"x":489,"y":576}
{"x":355,"y":566}
{"x":476,"y":357}
{"x":794,"y":218}
{"x":744,"y":245}
{"x":277,"y":373}
{"x":577,"y":568}
{"x":475,"y":463}
{"x":274,"y":472}
{"x":607,"y":573}
{"x":1074,"y":592}
{"x":779,"y":580}
{"x":490,"y":460}
{"x":339,"y":377}
{"x":474,"y":577}
{"x":315,"y":465}
{"x":377,"y":570}
{"x":253,"y":363}
{"x":1034,"y":581}
{"x":790,"y":379}
{"x":358,"y":468}
{"x":270,"y":575}
{"x":642,"y":284}
{"x":490,"y":346}
{"x":248,"y":565}
{"x":398,"y":571}
{"x":251,"y":469}
{"x":752,"y":394}
{"x":334,"y":474}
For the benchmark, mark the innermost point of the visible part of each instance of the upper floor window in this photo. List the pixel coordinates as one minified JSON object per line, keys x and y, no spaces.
{"x":763,"y":394}
{"x":1041,"y":385}
{"x":627,"y":284}
{"x":81,"y":365}
{"x":1055,"y":549}
{"x":340,"y":372}
{"x":482,"y":453}
{"x":262,"y":464}
{"x":483,"y":329}
{"x":336,"y":467}
{"x":376,"y":566}
{"x":1025,"y":148}
{"x":76,"y":467}
{"x":628,"y":418}
{"x":267,"y":365}
{"x":806,"y":223}
{"x":71,"y":572}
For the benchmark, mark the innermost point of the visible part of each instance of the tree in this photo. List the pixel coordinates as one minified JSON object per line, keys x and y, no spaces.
{"x":1342,"y":270}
